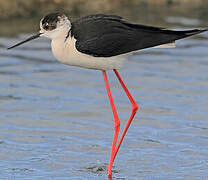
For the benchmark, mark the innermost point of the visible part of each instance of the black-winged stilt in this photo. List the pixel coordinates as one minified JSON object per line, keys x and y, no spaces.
{"x":95,"y":41}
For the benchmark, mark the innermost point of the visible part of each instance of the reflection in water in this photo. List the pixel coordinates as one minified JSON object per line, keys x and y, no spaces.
{"x":49,"y":129}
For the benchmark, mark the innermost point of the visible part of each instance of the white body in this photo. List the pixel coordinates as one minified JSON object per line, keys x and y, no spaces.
{"x":65,"y":51}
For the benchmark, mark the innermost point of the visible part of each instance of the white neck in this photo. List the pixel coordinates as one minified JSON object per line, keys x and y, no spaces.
{"x":62,"y":46}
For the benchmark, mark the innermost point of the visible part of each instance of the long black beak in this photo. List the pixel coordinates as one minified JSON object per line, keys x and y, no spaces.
{"x":29,"y":39}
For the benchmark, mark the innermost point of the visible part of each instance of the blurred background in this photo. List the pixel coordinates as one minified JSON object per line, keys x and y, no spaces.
{"x":56,"y":122}
{"x":154,"y":12}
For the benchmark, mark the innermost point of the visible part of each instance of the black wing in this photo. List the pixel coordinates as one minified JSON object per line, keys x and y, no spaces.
{"x":107,"y":35}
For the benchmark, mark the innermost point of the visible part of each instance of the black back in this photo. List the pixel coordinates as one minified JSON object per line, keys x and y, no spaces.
{"x":107,"y":35}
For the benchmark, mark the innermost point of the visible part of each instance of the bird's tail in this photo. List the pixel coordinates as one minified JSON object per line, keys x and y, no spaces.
{"x":176,"y":35}
{"x":192,"y":32}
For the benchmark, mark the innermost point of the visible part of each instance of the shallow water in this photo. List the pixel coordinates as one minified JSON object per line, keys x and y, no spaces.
{"x":56,"y":122}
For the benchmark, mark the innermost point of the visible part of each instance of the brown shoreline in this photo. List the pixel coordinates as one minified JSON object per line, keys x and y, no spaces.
{"x":24,"y":15}
{"x":31,"y":8}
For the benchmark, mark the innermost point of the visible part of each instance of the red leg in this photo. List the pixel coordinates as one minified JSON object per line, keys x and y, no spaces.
{"x":134,"y":110}
{"x":116,"y":124}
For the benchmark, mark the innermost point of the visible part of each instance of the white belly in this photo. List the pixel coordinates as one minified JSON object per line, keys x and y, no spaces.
{"x":66,"y":53}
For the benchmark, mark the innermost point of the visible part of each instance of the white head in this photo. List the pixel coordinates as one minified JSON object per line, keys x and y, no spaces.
{"x":53,"y":25}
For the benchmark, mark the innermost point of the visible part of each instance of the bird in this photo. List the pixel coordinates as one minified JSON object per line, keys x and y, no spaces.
{"x":101,"y":42}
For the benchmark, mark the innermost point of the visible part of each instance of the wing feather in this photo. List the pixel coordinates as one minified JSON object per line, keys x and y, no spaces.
{"x":108,"y":35}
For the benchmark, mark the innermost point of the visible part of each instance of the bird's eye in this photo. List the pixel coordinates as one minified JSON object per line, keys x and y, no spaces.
{"x":49,"y":27}
{"x":46,"y":27}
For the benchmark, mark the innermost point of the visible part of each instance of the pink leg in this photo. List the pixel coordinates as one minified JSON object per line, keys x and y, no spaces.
{"x":116,"y":124}
{"x":134,"y":110}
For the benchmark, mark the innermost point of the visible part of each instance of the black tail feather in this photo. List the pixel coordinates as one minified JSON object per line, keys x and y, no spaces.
{"x":193,"y":32}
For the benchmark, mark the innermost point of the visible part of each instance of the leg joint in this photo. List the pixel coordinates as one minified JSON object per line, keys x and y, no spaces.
{"x":135,"y":107}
